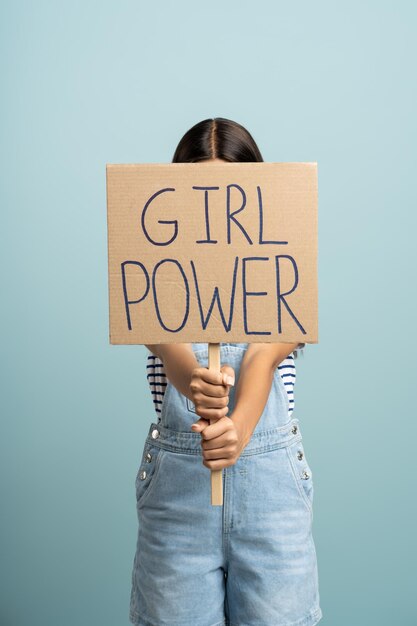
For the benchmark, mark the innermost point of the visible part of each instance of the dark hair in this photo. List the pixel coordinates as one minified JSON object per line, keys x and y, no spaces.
{"x":217,"y":138}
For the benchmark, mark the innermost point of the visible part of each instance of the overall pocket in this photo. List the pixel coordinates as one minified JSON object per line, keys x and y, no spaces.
{"x":148,"y":472}
{"x":302,"y":473}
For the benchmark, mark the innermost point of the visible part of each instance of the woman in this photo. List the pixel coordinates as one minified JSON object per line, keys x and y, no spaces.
{"x":253,"y":560}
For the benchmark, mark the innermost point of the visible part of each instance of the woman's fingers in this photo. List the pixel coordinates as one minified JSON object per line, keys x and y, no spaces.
{"x":204,"y":422}
{"x":226,"y":376}
{"x":222,"y":430}
{"x":202,"y":401}
{"x":200,"y":385}
{"x":210,"y":383}
{"x":209,"y":394}
{"x":213,"y":413}
{"x":199,"y":425}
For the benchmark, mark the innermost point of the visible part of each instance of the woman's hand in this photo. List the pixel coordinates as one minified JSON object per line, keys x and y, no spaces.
{"x":209,"y":391}
{"x":222,"y":442}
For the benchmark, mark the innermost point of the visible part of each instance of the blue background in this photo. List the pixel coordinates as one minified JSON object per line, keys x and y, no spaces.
{"x":86,"y":83}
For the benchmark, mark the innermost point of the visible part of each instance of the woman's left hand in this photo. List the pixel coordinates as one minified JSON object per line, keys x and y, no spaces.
{"x":222,"y":442}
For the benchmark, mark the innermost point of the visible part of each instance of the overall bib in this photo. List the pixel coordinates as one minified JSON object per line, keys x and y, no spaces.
{"x":249,"y":562}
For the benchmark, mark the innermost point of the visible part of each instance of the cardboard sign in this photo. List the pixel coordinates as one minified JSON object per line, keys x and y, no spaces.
{"x":209,"y":252}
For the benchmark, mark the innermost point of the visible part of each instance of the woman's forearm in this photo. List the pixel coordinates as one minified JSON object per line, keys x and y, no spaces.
{"x":179,"y":361}
{"x":254,"y":385}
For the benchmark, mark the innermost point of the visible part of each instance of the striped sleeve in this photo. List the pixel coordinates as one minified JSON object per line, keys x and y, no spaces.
{"x":157,"y":380}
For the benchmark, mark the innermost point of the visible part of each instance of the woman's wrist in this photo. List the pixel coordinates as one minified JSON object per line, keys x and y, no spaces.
{"x":243,"y":425}
{"x":254,"y":385}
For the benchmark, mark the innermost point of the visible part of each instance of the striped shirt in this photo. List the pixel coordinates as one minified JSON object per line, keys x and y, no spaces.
{"x":158,"y":381}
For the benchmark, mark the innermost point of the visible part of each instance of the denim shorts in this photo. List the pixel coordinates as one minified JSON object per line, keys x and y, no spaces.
{"x":249,"y":562}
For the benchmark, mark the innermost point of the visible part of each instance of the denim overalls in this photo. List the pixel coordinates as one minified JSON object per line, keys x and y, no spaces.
{"x":249,"y":562}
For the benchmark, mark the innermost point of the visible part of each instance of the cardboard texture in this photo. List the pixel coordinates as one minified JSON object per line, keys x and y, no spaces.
{"x":208,"y":252}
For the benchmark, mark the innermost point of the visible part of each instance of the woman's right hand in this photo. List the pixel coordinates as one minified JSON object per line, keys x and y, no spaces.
{"x":210,"y":391}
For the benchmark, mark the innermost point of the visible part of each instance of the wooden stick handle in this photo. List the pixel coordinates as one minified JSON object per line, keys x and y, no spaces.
{"x":216,"y":475}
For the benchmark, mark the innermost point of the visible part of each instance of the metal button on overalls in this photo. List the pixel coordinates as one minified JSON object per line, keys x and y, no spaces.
{"x":155,"y":433}
{"x":142,"y":475}
{"x":148,"y":457}
{"x":300,"y":455}
{"x":294,"y":429}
